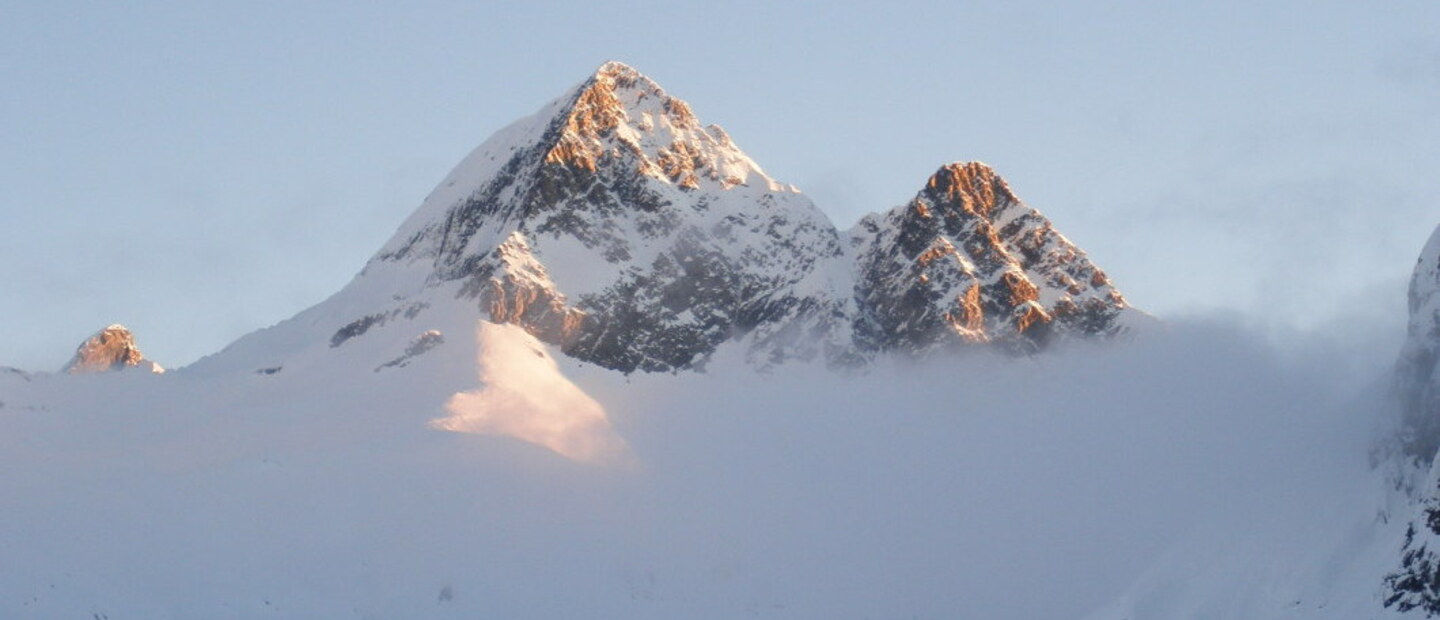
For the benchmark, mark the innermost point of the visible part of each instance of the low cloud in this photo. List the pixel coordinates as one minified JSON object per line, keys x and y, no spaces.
{"x":985,"y":485}
{"x":525,"y":397}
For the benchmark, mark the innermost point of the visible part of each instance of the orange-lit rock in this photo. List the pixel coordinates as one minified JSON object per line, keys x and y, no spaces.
{"x":112,"y":348}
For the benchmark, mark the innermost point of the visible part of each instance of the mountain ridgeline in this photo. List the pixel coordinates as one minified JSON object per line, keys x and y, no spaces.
{"x":616,"y":226}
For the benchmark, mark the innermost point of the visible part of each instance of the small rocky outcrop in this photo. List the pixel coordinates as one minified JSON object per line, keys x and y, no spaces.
{"x":110,"y":349}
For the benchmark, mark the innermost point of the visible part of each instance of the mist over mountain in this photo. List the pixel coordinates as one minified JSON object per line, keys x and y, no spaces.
{"x":611,"y":368}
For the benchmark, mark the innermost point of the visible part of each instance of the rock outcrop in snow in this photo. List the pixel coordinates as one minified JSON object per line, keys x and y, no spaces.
{"x":1416,"y":585}
{"x":112,"y":348}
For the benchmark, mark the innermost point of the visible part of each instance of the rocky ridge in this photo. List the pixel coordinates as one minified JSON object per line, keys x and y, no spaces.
{"x":967,"y":262}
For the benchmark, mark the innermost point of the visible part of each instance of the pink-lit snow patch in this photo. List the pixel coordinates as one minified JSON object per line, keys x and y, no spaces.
{"x":526,"y":397}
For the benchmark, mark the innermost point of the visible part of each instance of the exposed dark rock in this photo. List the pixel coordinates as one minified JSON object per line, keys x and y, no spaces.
{"x":1417,"y":584}
{"x":363,"y":324}
{"x":419,"y":346}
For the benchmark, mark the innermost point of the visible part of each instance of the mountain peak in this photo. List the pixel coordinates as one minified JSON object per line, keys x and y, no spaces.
{"x":614,"y":224}
{"x":112,"y":348}
{"x":619,"y":110}
{"x":626,"y":85}
{"x":971,"y":186}
{"x":967,"y":261}
{"x":613,"y":69}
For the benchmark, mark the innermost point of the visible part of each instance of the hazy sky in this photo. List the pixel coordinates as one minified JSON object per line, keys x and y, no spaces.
{"x":200,"y":170}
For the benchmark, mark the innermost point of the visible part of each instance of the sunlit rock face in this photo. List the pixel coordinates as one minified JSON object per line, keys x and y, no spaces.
{"x":965,"y":262}
{"x":112,"y":348}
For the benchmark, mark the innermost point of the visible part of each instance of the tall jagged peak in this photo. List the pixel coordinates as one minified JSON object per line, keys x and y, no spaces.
{"x":112,"y":348}
{"x":657,"y":238}
{"x":613,"y":129}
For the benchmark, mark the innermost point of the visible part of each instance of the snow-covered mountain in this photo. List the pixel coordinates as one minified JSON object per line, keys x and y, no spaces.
{"x":613,"y":224}
{"x":1415,"y":584}
{"x":616,"y":226}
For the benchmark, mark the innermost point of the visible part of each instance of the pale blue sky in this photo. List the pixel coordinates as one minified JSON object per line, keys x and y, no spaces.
{"x":200,"y":170}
